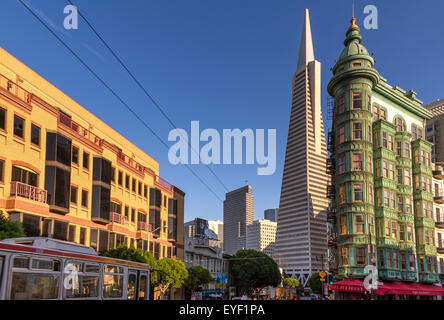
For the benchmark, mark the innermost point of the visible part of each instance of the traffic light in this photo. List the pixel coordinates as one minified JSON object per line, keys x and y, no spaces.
{"x":330,"y":279}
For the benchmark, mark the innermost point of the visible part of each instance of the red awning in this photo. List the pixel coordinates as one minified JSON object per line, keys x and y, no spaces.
{"x":348,"y":285}
{"x":397,"y":287}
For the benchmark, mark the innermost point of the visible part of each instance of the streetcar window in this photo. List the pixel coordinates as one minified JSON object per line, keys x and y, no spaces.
{"x":88,"y":288}
{"x":132,"y":287}
{"x":32,"y":286}
{"x":92,"y":268}
{"x":113,"y":282}
{"x":21,"y":262}
{"x":52,"y":265}
{"x":142,"y":287}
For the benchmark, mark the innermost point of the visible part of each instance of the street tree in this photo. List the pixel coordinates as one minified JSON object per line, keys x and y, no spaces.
{"x":290,"y":283}
{"x":173,"y":274}
{"x":252,"y":271}
{"x":10,"y":229}
{"x":131,"y":254}
{"x":198,"y":276}
{"x":315,"y":283}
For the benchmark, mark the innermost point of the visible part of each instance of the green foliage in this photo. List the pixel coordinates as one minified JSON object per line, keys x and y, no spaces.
{"x":173,"y":274}
{"x":290,"y":283}
{"x":315,"y":283}
{"x":10,"y":229}
{"x":252,"y":271}
{"x":197,"y":276}
{"x":131,"y":254}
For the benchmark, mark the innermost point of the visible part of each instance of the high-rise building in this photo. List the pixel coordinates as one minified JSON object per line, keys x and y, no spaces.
{"x":435,"y":130}
{"x":66,"y":174}
{"x":301,"y":241}
{"x":238,"y":213}
{"x":271,"y":214}
{"x":261,"y":236}
{"x":438,"y":214}
{"x":382,"y":173}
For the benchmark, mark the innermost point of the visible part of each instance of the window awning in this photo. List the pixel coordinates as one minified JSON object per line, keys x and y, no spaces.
{"x":397,"y":287}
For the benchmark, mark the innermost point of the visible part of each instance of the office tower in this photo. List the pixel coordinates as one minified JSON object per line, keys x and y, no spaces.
{"x":301,"y":224}
{"x":382,"y":174}
{"x":261,"y":236}
{"x":238,"y":213}
{"x":271,"y":214}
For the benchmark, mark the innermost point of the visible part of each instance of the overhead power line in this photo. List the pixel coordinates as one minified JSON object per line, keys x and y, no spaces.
{"x":139,"y":84}
{"x":113,"y":92}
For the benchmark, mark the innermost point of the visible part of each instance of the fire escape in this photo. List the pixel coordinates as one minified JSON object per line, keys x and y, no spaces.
{"x":331,"y":193}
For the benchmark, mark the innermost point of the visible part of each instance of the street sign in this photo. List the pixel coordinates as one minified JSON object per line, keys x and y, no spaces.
{"x":322,"y":274}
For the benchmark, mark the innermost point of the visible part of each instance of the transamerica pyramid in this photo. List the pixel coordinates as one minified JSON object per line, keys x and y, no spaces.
{"x":301,"y":239}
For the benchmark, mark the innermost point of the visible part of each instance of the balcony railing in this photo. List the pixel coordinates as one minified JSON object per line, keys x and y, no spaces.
{"x":117,"y":217}
{"x":79,"y":130}
{"x":27,"y":191}
{"x":143,"y":226}
{"x":15,"y":89}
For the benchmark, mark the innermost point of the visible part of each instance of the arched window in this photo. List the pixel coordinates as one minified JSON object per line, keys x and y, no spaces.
{"x":400,"y":124}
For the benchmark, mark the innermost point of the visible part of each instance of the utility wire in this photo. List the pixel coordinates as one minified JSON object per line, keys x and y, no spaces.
{"x":113,"y":92}
{"x":153,"y":101}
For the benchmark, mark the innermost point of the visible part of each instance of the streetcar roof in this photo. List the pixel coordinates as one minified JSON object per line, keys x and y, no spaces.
{"x":49,"y":246}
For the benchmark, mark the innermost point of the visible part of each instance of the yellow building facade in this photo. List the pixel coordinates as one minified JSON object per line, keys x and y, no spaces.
{"x":66,"y":174}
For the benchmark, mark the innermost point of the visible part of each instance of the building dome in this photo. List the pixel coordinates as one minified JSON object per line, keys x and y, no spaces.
{"x":353,"y":47}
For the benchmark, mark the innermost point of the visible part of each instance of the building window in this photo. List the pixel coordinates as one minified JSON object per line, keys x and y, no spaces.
{"x":341,"y":164}
{"x":381,"y":258}
{"x":120,"y":178}
{"x":358,"y":192}
{"x":409,"y":233}
{"x":341,"y":105}
{"x":133,"y":185}
{"x":414,"y":134}
{"x":389,"y":258}
{"x":82,"y":236}
{"x":390,"y":142}
{"x":360,"y":256}
{"x":375,"y":113}
{"x":399,"y":125}
{"x":75,"y":155}
{"x":408,"y":180}
{"x":369,"y":130}
{"x":85,"y":198}
{"x":384,"y":169}
{"x":2,"y":170}
{"x":403,"y":262}
{"x":412,"y":262}
{"x":357,"y":131}
{"x":342,"y":194}
{"x":400,"y":203}
{"x":35,"y":135}
{"x":113,"y":175}
{"x":392,"y":171}
{"x":343,"y":225}
{"x":344,"y":256}
{"x":383,"y":114}
{"x":392,"y":200}
{"x":386,"y":199}
{"x":370,"y":193}
{"x":370,"y":164}
{"x":127,"y":181}
{"x":139,"y":190}
{"x":85,"y":160}
{"x":369,"y":102}
{"x":398,"y":148}
{"x":357,"y":162}
{"x":126,"y":212}
{"x":24,"y":176}
{"x":133,"y":215}
{"x":421,"y":264}
{"x":384,"y":139}
{"x":145,"y":191}
{"x":74,"y":194}
{"x":19,"y":126}
{"x":401,"y":232}
{"x":406,"y":149}
{"x":357,"y":100}
{"x":341,"y":134}
{"x":359,"y":224}
{"x":394,"y":233}
{"x":387,"y":228}
{"x":399,"y":175}
{"x":2,"y":119}
{"x":395,"y":260}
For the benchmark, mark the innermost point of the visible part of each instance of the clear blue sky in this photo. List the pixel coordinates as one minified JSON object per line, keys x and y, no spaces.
{"x":225,"y":63}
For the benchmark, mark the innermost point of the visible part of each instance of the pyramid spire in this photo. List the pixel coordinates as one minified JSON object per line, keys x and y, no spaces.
{"x":306,"y":52}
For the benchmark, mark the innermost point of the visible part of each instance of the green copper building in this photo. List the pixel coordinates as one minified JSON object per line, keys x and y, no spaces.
{"x":382,"y":173}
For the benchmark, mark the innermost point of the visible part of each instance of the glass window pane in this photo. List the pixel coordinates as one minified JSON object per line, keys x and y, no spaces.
{"x":2,"y":119}
{"x":142,"y":287}
{"x":92,"y":268}
{"x":21,"y":262}
{"x":112,"y":286}
{"x":18,"y":126}
{"x":131,"y":292}
{"x":88,"y":288}
{"x":30,"y":286}
{"x":35,"y":135}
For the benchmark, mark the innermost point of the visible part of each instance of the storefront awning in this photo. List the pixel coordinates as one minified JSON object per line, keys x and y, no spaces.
{"x":397,"y":287}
